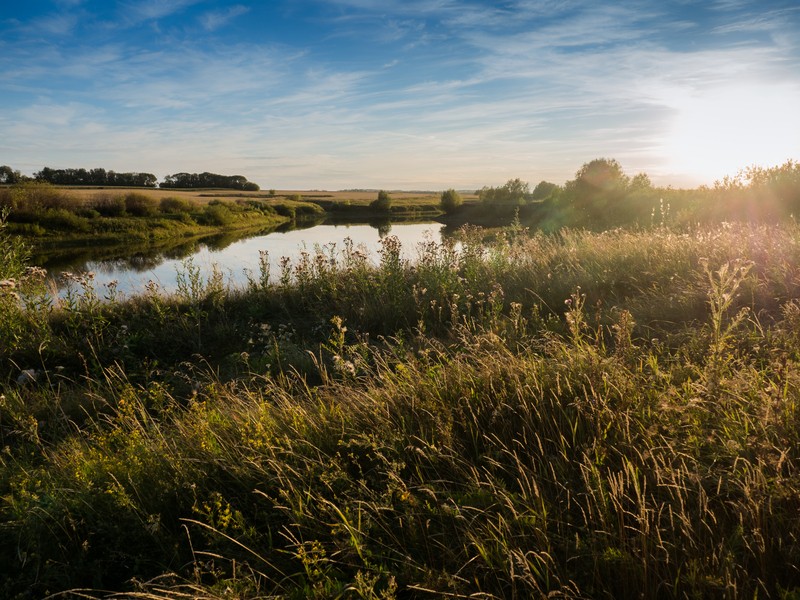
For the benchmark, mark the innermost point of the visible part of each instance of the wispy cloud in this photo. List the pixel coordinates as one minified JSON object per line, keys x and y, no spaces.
{"x":151,"y":10}
{"x":211,"y":21}
{"x":450,"y":92}
{"x":56,"y":24}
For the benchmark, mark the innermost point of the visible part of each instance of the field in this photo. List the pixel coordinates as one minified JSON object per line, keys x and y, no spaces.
{"x":201,"y":196}
{"x":578,"y":415}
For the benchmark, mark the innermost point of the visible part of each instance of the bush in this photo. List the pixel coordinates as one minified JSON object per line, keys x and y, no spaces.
{"x":175,"y":205}
{"x":60,"y":218}
{"x":383,"y":202}
{"x":450,"y":201}
{"x":217,"y":215}
{"x":13,"y":253}
{"x":35,"y":198}
{"x":141,"y":205}
{"x":109,"y":206}
{"x":286,"y":211}
{"x":309,"y":209}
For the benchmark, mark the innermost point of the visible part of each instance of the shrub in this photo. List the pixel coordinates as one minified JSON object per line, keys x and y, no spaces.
{"x":216,"y":215}
{"x":60,"y":218}
{"x":140,"y":205}
{"x":89,"y":213}
{"x":13,"y":253}
{"x":109,"y":206}
{"x":450,"y":201}
{"x":306,"y":209}
{"x":383,"y":202}
{"x":35,"y":198}
{"x":286,"y":211}
{"x":175,"y":205}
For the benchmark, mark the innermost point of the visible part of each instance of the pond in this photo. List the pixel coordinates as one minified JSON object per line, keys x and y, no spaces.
{"x":233,"y":256}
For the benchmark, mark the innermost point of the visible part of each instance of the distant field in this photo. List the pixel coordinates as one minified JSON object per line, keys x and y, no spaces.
{"x":206,"y":195}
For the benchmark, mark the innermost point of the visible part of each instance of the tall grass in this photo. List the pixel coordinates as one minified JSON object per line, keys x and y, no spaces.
{"x":40,"y":210}
{"x":577,"y":415}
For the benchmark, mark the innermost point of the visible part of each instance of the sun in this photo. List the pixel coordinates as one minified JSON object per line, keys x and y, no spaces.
{"x":720,"y":131}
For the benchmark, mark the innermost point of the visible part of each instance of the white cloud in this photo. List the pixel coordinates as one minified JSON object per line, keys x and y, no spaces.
{"x":211,"y":21}
{"x":58,"y":24}
{"x":151,"y":10}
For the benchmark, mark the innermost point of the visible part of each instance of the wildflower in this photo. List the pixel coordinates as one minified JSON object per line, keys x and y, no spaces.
{"x":343,"y":366}
{"x":35,"y":272}
{"x":8,"y":284}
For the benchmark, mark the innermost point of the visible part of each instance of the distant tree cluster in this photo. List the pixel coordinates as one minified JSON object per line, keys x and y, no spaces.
{"x":602,"y":196}
{"x":10,"y":176}
{"x":757,"y":194}
{"x":99,"y":177}
{"x":208,"y":180}
{"x":514,"y":193}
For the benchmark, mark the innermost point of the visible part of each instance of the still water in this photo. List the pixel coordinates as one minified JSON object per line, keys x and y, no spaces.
{"x":234,"y":258}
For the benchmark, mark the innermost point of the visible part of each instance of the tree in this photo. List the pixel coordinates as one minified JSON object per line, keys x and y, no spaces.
{"x":98,"y":176}
{"x":9,"y":175}
{"x":543,"y":189}
{"x":601,"y":175}
{"x":596,"y":195}
{"x":641,"y":181}
{"x":383,"y":202}
{"x":450,"y":201}
{"x":208,"y":180}
{"x":514,"y":193}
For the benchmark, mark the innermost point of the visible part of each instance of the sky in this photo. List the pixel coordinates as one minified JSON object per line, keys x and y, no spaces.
{"x":400,"y":94}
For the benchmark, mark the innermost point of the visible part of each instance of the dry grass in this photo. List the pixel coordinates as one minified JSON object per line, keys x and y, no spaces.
{"x":202,"y":196}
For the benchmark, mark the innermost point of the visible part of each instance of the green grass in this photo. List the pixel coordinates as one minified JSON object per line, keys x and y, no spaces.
{"x":583,"y":415}
{"x":48,"y":215}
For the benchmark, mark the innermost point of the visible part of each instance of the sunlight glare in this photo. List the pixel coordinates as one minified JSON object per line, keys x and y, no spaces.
{"x":721,"y":131}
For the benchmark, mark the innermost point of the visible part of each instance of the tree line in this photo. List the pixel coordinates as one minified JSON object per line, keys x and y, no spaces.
{"x":208,"y":180}
{"x":101,"y":177}
{"x":602,"y":196}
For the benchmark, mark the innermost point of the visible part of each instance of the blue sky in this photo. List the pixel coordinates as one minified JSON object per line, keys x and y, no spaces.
{"x":400,"y":94}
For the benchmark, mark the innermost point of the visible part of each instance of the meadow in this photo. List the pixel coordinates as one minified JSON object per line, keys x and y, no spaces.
{"x":577,"y":414}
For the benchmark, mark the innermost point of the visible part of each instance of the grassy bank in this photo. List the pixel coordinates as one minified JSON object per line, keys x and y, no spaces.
{"x":583,"y":415}
{"x":46,"y":214}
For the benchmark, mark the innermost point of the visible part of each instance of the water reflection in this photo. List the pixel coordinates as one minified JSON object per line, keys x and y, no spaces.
{"x":234,"y":254}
